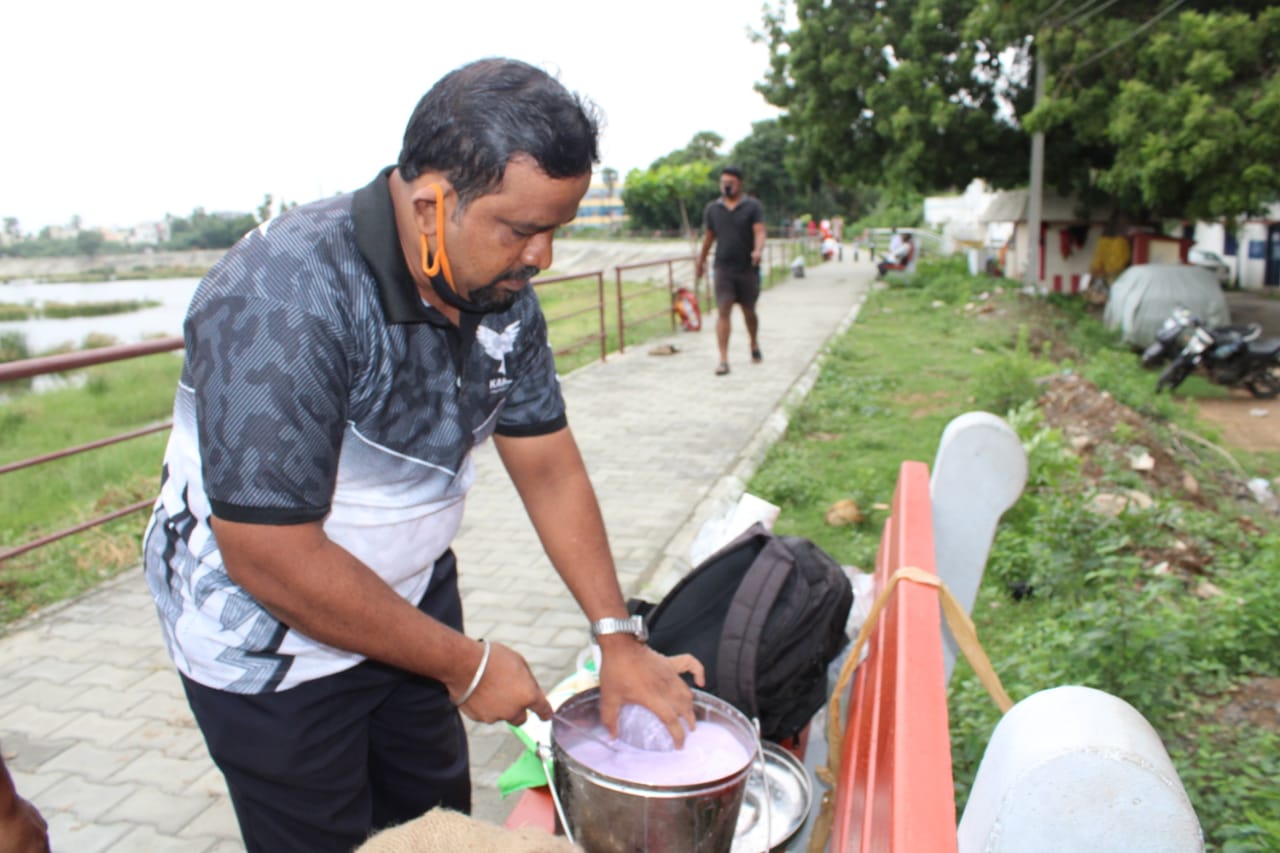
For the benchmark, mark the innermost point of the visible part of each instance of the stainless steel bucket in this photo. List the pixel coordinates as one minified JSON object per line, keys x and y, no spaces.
{"x":611,"y":815}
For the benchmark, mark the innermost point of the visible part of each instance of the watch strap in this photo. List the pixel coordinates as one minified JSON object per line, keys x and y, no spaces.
{"x":633,"y":625}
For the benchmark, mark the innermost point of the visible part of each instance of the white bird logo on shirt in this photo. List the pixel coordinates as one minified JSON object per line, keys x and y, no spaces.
{"x":499,"y":345}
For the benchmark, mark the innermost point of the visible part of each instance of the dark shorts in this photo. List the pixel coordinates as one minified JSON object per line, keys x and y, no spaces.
{"x":321,"y":766}
{"x":737,"y":285}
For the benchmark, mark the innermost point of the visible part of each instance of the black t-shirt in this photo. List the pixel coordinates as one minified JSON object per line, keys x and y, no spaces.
{"x":733,"y":230}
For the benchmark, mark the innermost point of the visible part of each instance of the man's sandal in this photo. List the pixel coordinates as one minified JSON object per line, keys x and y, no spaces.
{"x":722,"y":369}
{"x":757,"y":356}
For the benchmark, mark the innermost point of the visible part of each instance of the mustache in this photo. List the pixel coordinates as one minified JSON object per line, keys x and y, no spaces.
{"x":519,"y":274}
{"x":524,"y":273}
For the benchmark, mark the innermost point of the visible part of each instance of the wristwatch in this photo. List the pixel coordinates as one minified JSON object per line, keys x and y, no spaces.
{"x":612,"y":625}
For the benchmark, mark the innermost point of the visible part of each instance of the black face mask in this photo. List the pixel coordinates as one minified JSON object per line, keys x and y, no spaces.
{"x":728,"y":190}
{"x":484,"y":300}
{"x":441,"y":286}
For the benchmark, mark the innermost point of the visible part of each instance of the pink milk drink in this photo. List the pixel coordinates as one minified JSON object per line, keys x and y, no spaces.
{"x":633,"y":799}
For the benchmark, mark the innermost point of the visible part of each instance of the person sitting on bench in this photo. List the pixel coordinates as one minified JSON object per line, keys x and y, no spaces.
{"x":901,"y":257}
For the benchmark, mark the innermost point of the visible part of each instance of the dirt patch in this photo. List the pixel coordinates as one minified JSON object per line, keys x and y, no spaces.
{"x":1256,"y":702}
{"x":1105,"y":432}
{"x":1246,"y":422}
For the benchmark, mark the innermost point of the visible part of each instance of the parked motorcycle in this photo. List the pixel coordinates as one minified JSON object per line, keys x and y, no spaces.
{"x":1171,"y":335}
{"x":1231,"y":356}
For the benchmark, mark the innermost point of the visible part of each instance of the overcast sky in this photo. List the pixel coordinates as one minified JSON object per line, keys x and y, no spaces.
{"x":120,"y":111}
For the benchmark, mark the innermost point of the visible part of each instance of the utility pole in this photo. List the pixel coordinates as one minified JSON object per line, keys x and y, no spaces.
{"x":1035,"y":197}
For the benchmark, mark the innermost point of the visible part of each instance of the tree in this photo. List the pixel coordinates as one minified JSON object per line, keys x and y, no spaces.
{"x":669,"y":197}
{"x":1190,"y":121}
{"x":11,"y":228}
{"x":762,"y":157}
{"x":208,"y":231}
{"x":264,"y":209}
{"x":89,"y":242}
{"x":610,"y":178}
{"x":888,"y":94}
{"x":704,"y":147}
{"x":1167,"y":116}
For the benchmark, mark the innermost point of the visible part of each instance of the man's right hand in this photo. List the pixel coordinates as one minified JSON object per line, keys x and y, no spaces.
{"x":699,"y":268}
{"x":507,"y":691}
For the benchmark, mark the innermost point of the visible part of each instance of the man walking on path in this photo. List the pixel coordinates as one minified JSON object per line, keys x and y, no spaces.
{"x":735,"y":224}
{"x":342,"y":363}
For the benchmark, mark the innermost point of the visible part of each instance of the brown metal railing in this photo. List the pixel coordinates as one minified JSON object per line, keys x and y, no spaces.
{"x":63,"y":362}
{"x":623,"y":298}
{"x":777,"y":253}
{"x":597,"y":306}
{"x":31,"y":367}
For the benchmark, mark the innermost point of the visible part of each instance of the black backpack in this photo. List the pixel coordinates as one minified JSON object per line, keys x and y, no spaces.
{"x":765,"y":615}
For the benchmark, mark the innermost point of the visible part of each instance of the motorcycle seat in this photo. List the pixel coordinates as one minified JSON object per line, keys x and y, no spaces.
{"x":1265,"y":349}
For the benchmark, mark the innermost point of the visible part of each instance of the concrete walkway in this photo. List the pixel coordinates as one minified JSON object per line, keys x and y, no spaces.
{"x":93,"y":723}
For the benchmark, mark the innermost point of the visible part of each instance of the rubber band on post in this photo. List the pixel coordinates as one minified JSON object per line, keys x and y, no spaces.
{"x":475,"y":679}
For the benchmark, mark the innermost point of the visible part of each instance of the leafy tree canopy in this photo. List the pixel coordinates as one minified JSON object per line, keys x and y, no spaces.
{"x":669,"y":197}
{"x":209,"y":231}
{"x":1170,"y":108}
{"x":764,"y":157}
{"x":704,"y":147}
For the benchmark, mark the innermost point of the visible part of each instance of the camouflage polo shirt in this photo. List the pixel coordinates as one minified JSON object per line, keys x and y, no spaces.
{"x":317,"y":385}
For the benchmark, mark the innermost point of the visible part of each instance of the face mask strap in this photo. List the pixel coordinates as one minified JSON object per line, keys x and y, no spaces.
{"x":441,"y":260}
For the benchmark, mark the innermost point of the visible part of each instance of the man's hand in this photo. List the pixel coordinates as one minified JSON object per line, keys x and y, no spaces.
{"x":631,"y":673}
{"x":22,"y":828}
{"x":699,"y":268}
{"x":507,"y":690}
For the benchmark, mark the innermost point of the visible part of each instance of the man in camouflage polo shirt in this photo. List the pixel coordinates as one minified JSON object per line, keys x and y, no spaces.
{"x":342,"y":361}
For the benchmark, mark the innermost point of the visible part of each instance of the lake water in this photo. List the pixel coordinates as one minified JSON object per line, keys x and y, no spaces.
{"x":43,"y":335}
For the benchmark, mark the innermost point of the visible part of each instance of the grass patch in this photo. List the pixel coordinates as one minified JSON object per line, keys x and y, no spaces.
{"x":1069,"y":597}
{"x":573,"y":316}
{"x":111,"y":400}
{"x":64,"y":310}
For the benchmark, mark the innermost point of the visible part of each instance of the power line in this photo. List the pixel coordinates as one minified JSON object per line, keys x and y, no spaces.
{"x":1140,"y":29}
{"x":1048,"y":12}
{"x":1085,"y":13}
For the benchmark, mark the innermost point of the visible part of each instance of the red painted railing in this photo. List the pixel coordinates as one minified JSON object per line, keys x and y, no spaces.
{"x":895,"y":790}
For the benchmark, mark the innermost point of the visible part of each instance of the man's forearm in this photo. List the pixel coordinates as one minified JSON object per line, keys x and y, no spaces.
{"x":707,"y":240}
{"x":552,"y":480}
{"x":321,"y":590}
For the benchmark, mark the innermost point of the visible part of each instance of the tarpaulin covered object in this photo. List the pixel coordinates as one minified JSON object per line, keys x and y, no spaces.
{"x":1144,"y":295}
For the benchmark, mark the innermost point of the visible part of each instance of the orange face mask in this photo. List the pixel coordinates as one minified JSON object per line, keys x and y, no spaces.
{"x":441,"y":261}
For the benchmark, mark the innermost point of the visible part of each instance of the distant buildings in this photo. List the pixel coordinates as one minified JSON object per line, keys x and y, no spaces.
{"x":601,"y":208}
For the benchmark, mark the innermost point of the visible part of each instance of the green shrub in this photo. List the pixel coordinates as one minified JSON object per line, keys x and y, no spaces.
{"x":13,"y":346}
{"x":1008,"y":379}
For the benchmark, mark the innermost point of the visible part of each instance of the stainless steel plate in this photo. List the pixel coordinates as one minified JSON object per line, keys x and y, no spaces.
{"x":775,"y":804}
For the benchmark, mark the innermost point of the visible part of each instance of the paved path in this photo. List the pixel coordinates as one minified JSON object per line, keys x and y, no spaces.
{"x":93,"y":723}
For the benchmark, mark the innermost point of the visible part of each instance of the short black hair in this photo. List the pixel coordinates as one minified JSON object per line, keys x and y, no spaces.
{"x":732,"y":170}
{"x":476,"y":118}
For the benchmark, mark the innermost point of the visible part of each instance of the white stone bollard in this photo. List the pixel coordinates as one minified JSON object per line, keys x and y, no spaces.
{"x":977,"y":474}
{"x":1074,"y":769}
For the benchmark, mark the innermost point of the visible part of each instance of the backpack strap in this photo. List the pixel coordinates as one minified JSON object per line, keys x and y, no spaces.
{"x":745,"y":620}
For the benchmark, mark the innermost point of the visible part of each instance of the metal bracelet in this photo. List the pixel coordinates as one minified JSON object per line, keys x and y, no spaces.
{"x":475,"y":679}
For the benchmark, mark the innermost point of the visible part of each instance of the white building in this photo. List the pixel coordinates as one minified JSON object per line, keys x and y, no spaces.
{"x":958,"y":217}
{"x":1252,"y":251}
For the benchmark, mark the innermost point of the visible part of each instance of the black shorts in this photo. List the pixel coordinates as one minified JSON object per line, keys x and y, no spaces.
{"x":321,"y":766}
{"x":737,"y":285}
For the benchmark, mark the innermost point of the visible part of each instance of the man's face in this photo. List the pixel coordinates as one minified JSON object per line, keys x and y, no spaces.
{"x":503,"y":239}
{"x":730,"y":186}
